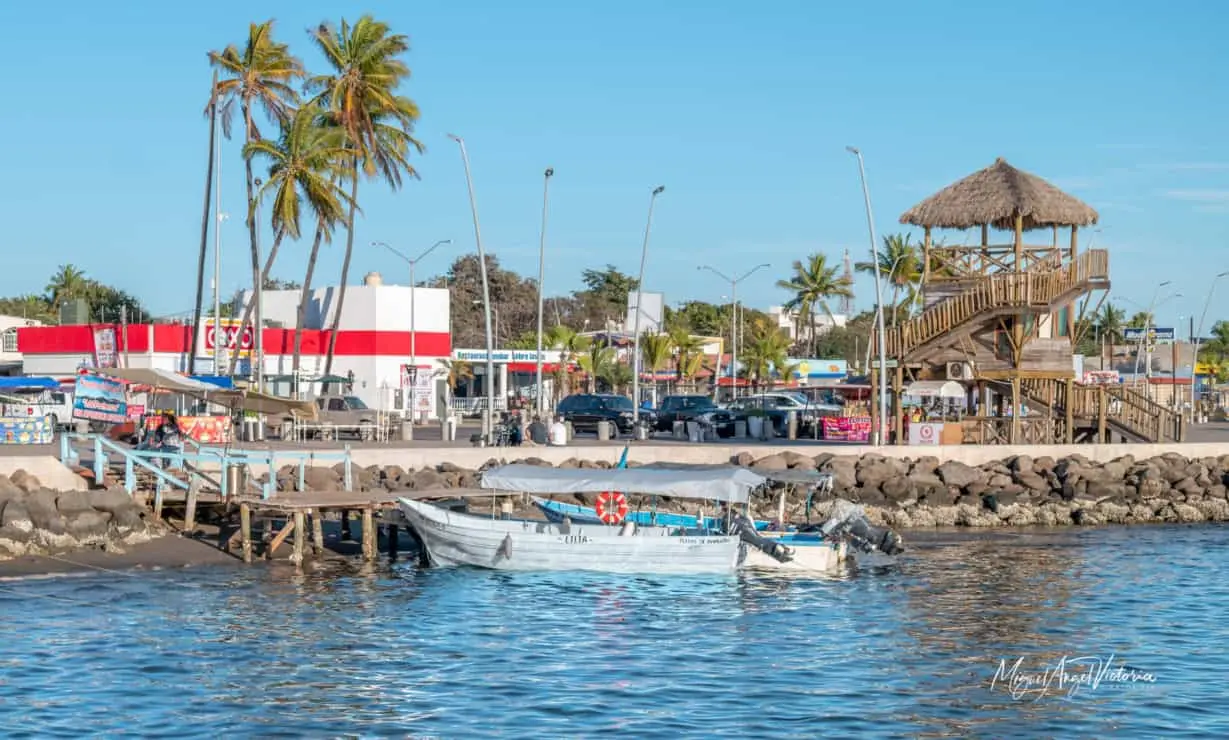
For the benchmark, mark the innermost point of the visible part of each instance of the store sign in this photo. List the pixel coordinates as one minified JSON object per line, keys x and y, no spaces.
{"x":924,"y":433}
{"x":416,"y":385}
{"x":505,"y":355}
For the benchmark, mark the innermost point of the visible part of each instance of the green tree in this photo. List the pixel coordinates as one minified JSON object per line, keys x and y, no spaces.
{"x":306,"y":166}
{"x":900,"y":264}
{"x":595,"y":360}
{"x":570,"y":345}
{"x":260,"y":75}
{"x":360,"y":94}
{"x":688,"y":355}
{"x":813,"y":285}
{"x":33,"y":307}
{"x":766,"y":350}
{"x":68,"y":282}
{"x":605,"y":294}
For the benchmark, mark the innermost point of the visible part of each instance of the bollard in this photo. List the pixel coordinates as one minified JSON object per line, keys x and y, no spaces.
{"x":740,"y":430}
{"x":693,"y":431}
{"x":603,"y":431}
{"x":407,"y":429}
{"x":680,"y":430}
{"x":791,"y":425}
{"x":571,"y":432}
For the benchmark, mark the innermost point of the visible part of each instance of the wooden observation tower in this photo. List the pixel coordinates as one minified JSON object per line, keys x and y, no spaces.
{"x":1003,"y":316}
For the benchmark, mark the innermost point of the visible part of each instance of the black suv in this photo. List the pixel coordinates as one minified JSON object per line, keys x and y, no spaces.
{"x":585,"y":410}
{"x":692,"y":408}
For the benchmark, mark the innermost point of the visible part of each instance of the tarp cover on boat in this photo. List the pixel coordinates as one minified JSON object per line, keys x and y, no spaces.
{"x":712,"y":483}
{"x":792,"y":475}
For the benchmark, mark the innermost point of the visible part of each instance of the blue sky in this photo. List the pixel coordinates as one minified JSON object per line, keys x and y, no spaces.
{"x":741,"y":110}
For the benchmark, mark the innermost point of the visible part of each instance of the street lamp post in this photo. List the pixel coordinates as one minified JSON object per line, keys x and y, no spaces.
{"x":546,"y":176}
{"x":644,"y":253}
{"x":488,"y":417}
{"x":1195,"y":340}
{"x":879,"y":331}
{"x":735,"y":322}
{"x":259,"y":299}
{"x":413,"y":263}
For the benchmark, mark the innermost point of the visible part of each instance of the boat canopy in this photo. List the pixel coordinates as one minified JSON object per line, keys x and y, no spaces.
{"x":791,"y":475}
{"x":730,"y":484}
{"x":23,"y":383}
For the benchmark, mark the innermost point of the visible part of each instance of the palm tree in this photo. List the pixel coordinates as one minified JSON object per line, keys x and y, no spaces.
{"x":306,"y":165}
{"x":360,"y":94}
{"x":900,"y":264}
{"x":68,"y":282}
{"x":617,"y":375}
{"x":261,"y":74}
{"x":595,"y":362}
{"x":454,"y":371}
{"x":655,"y":352}
{"x":766,"y":350}
{"x":1109,"y":323}
{"x":813,"y":284}
{"x":688,"y":354}
{"x":569,"y":344}
{"x":1140,"y":320}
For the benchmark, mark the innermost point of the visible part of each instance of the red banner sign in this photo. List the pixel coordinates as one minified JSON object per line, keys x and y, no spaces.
{"x":847,"y":428}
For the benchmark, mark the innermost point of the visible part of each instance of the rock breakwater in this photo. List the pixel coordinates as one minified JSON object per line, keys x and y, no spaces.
{"x":906,"y":493}
{"x":35,"y":520}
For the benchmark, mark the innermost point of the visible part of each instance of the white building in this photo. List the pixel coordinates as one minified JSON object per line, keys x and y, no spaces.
{"x":374,"y":342}
{"x":10,"y":355}
{"x":787,"y":320}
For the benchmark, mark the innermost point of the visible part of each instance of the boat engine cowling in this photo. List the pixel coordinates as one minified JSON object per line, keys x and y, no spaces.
{"x":744,"y":527}
{"x":850,"y":520}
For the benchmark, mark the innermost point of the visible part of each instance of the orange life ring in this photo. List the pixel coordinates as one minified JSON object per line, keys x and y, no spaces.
{"x":611,"y":507}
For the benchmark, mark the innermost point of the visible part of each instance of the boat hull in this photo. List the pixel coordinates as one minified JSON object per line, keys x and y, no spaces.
{"x":455,"y":539}
{"x":809,"y":555}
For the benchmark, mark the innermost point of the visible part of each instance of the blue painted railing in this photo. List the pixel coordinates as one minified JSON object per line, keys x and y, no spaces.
{"x":198,"y":462}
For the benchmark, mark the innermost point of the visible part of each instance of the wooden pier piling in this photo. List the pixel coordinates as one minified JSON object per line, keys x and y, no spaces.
{"x":369,"y":534}
{"x":245,"y":530}
{"x":317,"y":533}
{"x":300,"y":536}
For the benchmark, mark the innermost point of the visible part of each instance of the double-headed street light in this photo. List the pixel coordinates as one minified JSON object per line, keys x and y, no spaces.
{"x":734,"y":323}
{"x":413,"y":327}
{"x":644,"y":253}
{"x":880,"y":436}
{"x":488,"y":417}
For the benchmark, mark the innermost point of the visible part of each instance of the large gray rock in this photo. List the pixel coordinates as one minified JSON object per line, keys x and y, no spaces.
{"x":24,"y":481}
{"x":954,"y":473}
{"x":43,"y":511}
{"x":16,"y":516}
{"x":428,"y":480}
{"x":322,"y":479}
{"x":88,"y":525}
{"x":772,"y":462}
{"x":69,"y":503}
{"x":111,"y":500}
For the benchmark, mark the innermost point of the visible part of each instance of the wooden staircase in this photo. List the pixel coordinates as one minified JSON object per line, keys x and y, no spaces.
{"x":1041,"y":289}
{"x":1099,"y":408}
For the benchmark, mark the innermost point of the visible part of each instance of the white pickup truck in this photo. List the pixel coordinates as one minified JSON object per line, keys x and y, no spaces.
{"x":58,"y":404}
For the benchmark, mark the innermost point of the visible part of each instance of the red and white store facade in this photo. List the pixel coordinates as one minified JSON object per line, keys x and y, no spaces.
{"x":374,"y":342}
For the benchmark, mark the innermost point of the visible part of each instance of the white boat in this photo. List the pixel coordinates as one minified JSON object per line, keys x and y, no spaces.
{"x":453,"y":538}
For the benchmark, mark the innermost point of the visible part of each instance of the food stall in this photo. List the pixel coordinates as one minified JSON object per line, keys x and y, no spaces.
{"x":933,"y":411}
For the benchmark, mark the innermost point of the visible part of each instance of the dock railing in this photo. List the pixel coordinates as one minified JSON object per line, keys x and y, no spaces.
{"x":199,"y":462}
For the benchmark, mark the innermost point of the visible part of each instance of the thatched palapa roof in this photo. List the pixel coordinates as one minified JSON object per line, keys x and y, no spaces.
{"x":994,"y":196}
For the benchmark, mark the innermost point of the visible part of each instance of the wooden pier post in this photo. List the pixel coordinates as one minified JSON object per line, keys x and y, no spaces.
{"x":189,"y":517}
{"x":1069,"y":410}
{"x":346,"y":535}
{"x":392,"y":542}
{"x":300,"y":537}
{"x":369,"y":535}
{"x":318,"y":532}
{"x":245,"y":530}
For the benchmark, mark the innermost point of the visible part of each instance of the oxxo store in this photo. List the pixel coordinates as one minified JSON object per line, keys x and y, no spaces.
{"x":515,"y":376}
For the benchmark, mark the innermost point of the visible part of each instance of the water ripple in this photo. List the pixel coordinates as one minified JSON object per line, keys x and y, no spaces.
{"x":396,"y":651}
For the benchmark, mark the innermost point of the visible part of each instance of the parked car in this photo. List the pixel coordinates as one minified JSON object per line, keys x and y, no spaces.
{"x":776,"y":406}
{"x":349,"y":414}
{"x":585,"y":410}
{"x":695,"y":408}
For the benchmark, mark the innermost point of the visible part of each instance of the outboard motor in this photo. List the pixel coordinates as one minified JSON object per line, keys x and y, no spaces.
{"x":742,"y":526}
{"x":849,"y":520}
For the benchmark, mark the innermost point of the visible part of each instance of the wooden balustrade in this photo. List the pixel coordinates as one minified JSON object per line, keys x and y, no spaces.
{"x":1033,"y":289}
{"x":1123,"y":407}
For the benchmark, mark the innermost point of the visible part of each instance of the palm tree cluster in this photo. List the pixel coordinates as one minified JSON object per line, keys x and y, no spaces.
{"x":333,"y":129}
{"x":69,"y":283}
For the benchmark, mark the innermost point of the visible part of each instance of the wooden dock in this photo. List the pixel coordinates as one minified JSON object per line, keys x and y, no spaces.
{"x":303,"y":514}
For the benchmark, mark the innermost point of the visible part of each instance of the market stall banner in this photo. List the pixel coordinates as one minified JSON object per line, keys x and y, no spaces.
{"x":97,"y":398}
{"x":26,"y":430}
{"x":206,"y":429}
{"x":847,"y":428}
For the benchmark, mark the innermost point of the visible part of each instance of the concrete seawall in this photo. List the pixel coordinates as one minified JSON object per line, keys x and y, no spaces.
{"x":53,"y":473}
{"x":647,"y":452}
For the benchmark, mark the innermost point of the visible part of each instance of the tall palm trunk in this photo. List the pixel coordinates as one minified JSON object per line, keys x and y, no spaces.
{"x":264,"y":280}
{"x":301,"y":318}
{"x":254,"y":248}
{"x":200,"y":265}
{"x":345,"y":271}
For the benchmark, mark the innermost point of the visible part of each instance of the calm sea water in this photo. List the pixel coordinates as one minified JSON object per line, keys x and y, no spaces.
{"x":400,"y":651}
